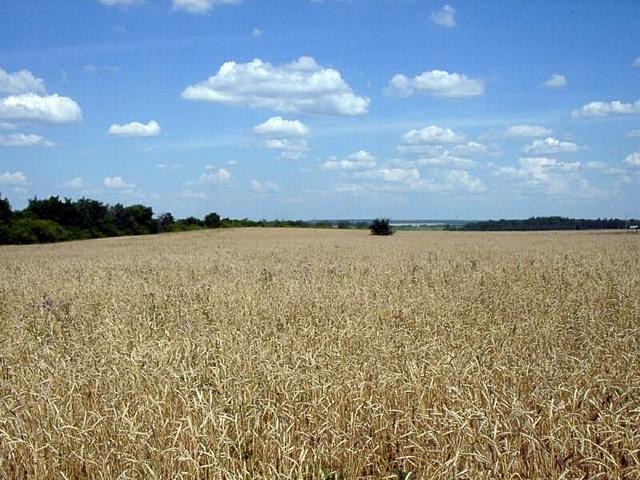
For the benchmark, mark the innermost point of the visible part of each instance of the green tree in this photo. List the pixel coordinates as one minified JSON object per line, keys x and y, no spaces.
{"x":165,"y":222}
{"x":380,"y":226}
{"x":212,"y":220}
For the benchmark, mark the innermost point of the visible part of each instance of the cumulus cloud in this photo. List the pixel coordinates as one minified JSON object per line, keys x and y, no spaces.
{"x":75,"y":183}
{"x":286,"y":136}
{"x":440,"y":143}
{"x":220,"y":177}
{"x":47,"y":108}
{"x":437,"y":83}
{"x":555,"y":81}
{"x":527,"y":131}
{"x":280,"y":127}
{"x":20,"y":82}
{"x":603,"y":109}
{"x":356,"y":161}
{"x":13,"y":178}
{"x":266,"y":186}
{"x":393,"y":175}
{"x":633,"y":159}
{"x":464,"y":180}
{"x":445,"y":159}
{"x":135,"y":129}
{"x":550,"y":146}
{"x":117,"y":183}
{"x":302,"y":86}
{"x":199,"y":7}
{"x":542,"y":172}
{"x":432,"y":135}
{"x":24,"y":140}
{"x":444,"y":17}
{"x":7,"y":126}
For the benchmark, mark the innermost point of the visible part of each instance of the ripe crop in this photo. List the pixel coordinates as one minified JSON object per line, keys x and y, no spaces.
{"x":284,"y":353}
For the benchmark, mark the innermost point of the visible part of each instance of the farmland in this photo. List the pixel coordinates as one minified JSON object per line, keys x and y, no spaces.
{"x":289,"y":353}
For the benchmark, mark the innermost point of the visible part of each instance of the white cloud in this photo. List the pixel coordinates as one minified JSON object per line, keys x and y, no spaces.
{"x":121,"y":3}
{"x":199,"y":7}
{"x":551,"y":145}
{"x":220,"y":177}
{"x":470,"y":148}
{"x":438,"y":83}
{"x":636,"y":62}
{"x":445,"y":159}
{"x":117,"y":183}
{"x":20,"y":82}
{"x":24,"y":140}
{"x":462,"y":178}
{"x":432,"y":135}
{"x":266,"y":186}
{"x":257,"y":32}
{"x":278,"y":127}
{"x":527,"y":131}
{"x":299,"y":87}
{"x":76,"y":183}
{"x":603,"y":109}
{"x":634,"y":133}
{"x":555,"y":81}
{"x":135,"y":129}
{"x":445,"y":17}
{"x":356,"y":161}
{"x":7,"y":126}
{"x":49,"y":108}
{"x":393,"y":175}
{"x":13,"y":178}
{"x":633,"y":159}
{"x":287,"y":136}
{"x":289,"y":148}
{"x":543,"y":172}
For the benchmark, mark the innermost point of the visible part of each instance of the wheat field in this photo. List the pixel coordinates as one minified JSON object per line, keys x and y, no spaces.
{"x":322,"y":354}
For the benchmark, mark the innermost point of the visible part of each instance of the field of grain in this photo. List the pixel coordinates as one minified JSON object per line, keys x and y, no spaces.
{"x":305,"y":354}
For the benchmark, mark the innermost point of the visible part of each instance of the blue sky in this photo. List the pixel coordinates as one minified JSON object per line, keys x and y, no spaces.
{"x":324,"y":109}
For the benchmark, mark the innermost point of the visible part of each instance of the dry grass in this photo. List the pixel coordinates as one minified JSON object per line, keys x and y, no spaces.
{"x":297,"y":353}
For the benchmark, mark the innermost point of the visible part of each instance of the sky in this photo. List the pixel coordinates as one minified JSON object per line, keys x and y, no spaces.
{"x":311,"y":109}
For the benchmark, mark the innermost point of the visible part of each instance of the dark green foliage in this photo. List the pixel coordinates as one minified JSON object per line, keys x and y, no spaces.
{"x":342,"y":224}
{"x":550,"y":223}
{"x":165,"y":222}
{"x":380,"y":226}
{"x":212,"y":220}
{"x":5,"y":211}
{"x":35,"y":230}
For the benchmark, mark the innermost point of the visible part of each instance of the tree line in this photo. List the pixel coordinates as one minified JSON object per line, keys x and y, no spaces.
{"x":549,"y":223}
{"x":55,"y":220}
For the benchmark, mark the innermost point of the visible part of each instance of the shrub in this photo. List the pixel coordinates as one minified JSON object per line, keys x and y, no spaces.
{"x":380,"y":226}
{"x":212,"y":220}
{"x":35,"y":230}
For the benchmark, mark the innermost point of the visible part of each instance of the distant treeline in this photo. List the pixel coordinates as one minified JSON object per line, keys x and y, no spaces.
{"x":548,"y":223}
{"x":55,"y":220}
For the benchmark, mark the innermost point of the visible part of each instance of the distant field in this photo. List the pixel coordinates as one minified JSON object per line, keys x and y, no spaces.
{"x":300,"y":354}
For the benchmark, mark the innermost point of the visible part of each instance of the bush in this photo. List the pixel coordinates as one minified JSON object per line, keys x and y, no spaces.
{"x":34,"y":230}
{"x":212,"y":220}
{"x":380,"y":226}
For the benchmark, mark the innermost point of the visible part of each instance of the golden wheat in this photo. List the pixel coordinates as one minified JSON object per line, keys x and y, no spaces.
{"x":305,"y":354}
